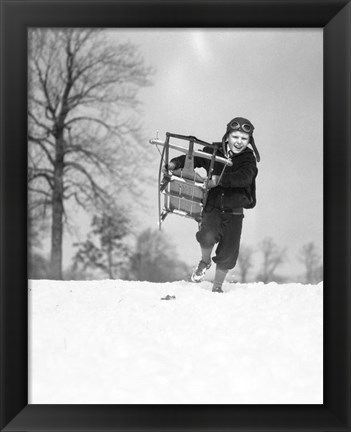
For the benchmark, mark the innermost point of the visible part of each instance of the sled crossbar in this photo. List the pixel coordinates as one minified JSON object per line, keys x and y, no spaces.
{"x":186,"y":181}
{"x":197,"y":153}
{"x":183,"y":197}
{"x":183,"y":190}
{"x":190,"y":138}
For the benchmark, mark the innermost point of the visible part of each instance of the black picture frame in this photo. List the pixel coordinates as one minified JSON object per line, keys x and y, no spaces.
{"x":334,"y":17}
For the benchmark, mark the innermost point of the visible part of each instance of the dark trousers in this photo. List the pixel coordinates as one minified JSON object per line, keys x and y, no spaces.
{"x":224,"y":229}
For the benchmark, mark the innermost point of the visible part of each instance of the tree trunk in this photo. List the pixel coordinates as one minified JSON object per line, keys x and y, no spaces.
{"x":57,"y":212}
{"x":109,"y":261}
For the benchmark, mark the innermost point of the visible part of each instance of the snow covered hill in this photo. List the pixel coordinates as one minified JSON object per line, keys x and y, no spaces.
{"x":117,"y":342}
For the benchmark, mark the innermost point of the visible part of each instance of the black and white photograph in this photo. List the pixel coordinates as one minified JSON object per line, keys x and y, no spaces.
{"x":175,"y":216}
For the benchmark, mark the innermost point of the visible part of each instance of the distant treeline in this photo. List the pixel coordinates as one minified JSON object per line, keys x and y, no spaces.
{"x":112,"y":251}
{"x":271,"y":258}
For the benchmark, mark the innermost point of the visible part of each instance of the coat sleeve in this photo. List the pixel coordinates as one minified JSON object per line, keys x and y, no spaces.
{"x":242,"y":175}
{"x":199,"y":162}
{"x":178,"y":161}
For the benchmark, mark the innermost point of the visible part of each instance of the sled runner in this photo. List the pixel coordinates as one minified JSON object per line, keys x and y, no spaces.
{"x":184,"y":191}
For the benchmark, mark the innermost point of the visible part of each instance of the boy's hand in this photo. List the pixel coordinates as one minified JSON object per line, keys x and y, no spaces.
{"x":168,"y":167}
{"x":213,"y":182}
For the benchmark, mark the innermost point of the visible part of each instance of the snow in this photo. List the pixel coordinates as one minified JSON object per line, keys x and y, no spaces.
{"x":117,"y":342}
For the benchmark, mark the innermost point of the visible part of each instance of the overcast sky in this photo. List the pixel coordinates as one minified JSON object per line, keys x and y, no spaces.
{"x":205,"y":77}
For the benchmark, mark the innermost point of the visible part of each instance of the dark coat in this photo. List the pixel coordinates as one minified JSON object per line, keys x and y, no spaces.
{"x":237,"y":187}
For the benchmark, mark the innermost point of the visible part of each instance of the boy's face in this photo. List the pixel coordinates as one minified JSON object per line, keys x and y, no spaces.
{"x":238,"y":141}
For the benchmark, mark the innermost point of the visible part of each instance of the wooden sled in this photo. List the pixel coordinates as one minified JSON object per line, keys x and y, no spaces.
{"x":184,"y":191}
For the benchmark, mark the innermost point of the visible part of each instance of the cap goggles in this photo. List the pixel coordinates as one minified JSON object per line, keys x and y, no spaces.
{"x":244,"y":127}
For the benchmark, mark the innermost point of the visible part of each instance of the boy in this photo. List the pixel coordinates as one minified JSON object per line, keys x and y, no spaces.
{"x":229,"y":194}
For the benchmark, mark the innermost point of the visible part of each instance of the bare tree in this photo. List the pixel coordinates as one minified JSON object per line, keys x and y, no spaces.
{"x":38,"y":265}
{"x":245,"y":262}
{"x":273,"y":257}
{"x":312,"y":261}
{"x":82,"y":126}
